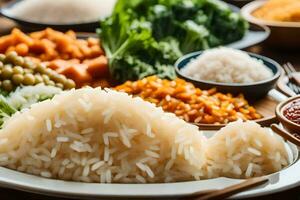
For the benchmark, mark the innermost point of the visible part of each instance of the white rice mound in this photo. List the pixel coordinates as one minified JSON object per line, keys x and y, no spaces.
{"x":104,"y":136}
{"x":226,"y":65}
{"x":62,"y":11}
{"x":243,"y":150}
{"x":94,"y":135}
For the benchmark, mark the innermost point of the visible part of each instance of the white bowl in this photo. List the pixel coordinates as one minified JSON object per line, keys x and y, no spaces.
{"x":283,"y":34}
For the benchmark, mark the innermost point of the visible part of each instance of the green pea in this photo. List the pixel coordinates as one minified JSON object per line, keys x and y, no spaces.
{"x":40,"y":68}
{"x":28,"y":64}
{"x":29,"y":79}
{"x":7,"y":85}
{"x":38,"y":78}
{"x":17,"y":79}
{"x":49,"y":72}
{"x":62,"y":79}
{"x":59,"y":85}
{"x":2,"y":57}
{"x":7,"y":72}
{"x":18,"y":70}
{"x":18,"y":60}
{"x":11,"y":56}
{"x":70,"y":84}
{"x":56,"y":77}
{"x":28,"y":71}
{"x":51,"y":83}
{"x":8,"y":65}
{"x":45,"y":78}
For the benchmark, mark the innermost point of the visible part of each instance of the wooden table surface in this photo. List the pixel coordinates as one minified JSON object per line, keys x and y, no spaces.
{"x":281,"y":56}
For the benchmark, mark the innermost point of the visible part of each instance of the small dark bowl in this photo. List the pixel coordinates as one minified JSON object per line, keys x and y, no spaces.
{"x":32,"y":26}
{"x":252,"y":91}
{"x":239,"y":3}
{"x":287,"y":124}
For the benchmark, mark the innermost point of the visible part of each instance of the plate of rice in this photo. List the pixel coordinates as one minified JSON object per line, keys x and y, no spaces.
{"x":63,"y":14}
{"x":134,"y":149}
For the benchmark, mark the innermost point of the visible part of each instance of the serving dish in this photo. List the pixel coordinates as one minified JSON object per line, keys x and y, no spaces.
{"x":289,"y":125}
{"x":283,"y":34}
{"x":261,"y":88}
{"x":30,"y":26}
{"x":283,"y":180}
{"x":255,"y":35}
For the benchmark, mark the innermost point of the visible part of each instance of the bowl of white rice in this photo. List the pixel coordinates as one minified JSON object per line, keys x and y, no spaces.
{"x":230,"y":71}
{"x":62,"y":15}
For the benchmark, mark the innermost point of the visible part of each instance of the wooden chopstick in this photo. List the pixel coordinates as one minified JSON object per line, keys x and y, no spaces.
{"x":286,"y":135}
{"x":234,"y":189}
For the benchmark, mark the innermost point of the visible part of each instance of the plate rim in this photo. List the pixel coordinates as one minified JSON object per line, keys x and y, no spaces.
{"x":246,"y":12}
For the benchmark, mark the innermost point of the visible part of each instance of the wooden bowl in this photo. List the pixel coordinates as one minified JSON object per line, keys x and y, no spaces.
{"x":283,"y":34}
{"x":289,"y":125}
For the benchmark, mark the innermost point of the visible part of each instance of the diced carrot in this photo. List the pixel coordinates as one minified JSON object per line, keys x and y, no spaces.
{"x":56,"y":64}
{"x":76,"y":72}
{"x":93,"y":41}
{"x":98,"y":67}
{"x":76,"y":53}
{"x":86,"y":51}
{"x":22,"y":37}
{"x":33,"y":59}
{"x":49,"y":48}
{"x":22,"y":49}
{"x":37,"y":48}
{"x":103,"y":83}
{"x":71,"y":34}
{"x":96,"y":51}
{"x":9,"y":49}
{"x":5,"y":42}
{"x":38,"y":34}
{"x":65,"y":56}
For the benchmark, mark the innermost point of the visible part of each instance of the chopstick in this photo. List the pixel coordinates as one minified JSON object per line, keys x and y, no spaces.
{"x":294,"y":78}
{"x":234,"y":189}
{"x":286,"y":135}
{"x":294,"y":82}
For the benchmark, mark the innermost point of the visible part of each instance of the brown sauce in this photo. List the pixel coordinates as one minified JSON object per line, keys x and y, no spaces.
{"x":292,"y":111}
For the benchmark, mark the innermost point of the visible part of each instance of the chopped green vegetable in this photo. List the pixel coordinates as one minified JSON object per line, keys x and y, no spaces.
{"x":24,"y":97}
{"x":5,"y":110}
{"x":146,"y":37}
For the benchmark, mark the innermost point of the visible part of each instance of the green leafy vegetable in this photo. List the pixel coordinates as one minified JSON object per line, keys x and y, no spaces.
{"x":24,"y":97}
{"x":146,"y":37}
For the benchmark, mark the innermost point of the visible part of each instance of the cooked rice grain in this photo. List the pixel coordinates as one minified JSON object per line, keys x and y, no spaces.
{"x":243,"y":150}
{"x":112,"y":137}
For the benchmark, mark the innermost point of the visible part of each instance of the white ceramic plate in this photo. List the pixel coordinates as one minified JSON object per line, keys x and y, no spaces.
{"x":283,"y":180}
